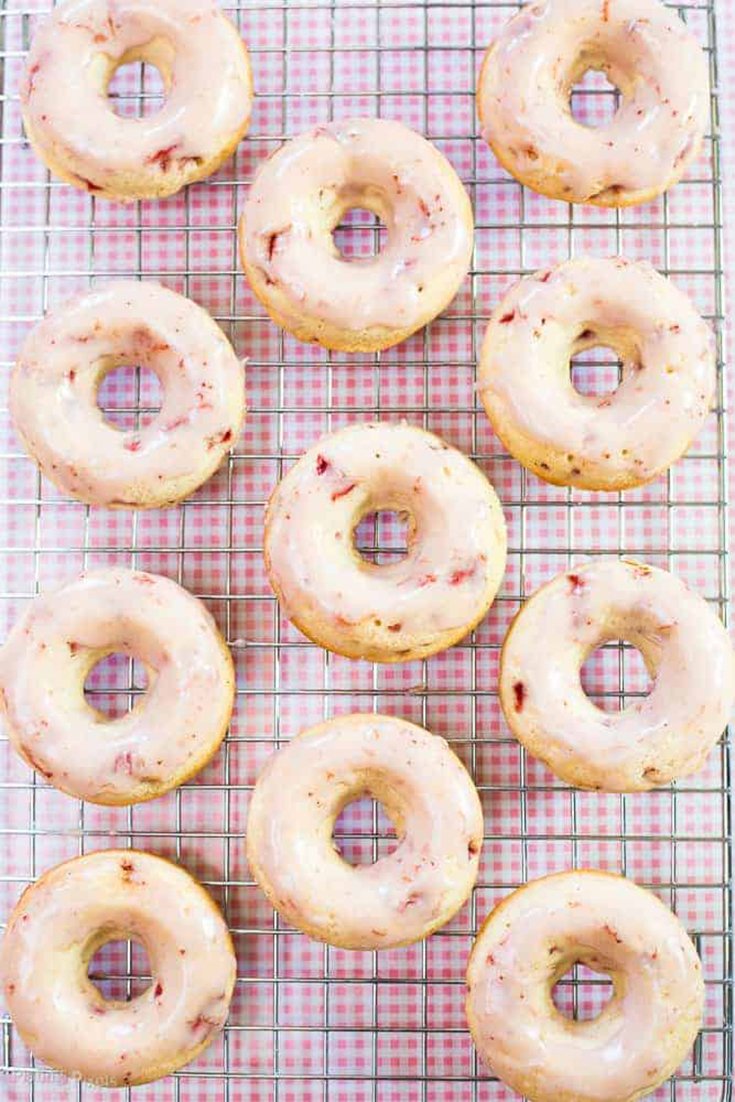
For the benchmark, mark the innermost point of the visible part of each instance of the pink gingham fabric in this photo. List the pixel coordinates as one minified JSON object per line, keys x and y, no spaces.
{"x":311,"y":1022}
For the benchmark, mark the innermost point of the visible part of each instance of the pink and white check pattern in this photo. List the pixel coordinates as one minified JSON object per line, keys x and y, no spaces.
{"x":310,"y":1022}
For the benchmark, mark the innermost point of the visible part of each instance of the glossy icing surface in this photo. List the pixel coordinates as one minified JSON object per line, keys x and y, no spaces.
{"x":53,"y":395}
{"x":300,"y":194}
{"x":456,"y":553}
{"x":175,"y":728}
{"x":644,"y":49}
{"x":57,"y":926}
{"x":597,"y":442}
{"x":655,"y":739}
{"x":69,"y":119}
{"x":427,"y":793}
{"x":610,"y":924}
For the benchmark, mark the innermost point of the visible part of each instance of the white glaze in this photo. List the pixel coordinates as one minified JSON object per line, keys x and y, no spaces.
{"x":69,"y":120}
{"x":300,"y":194}
{"x":610,"y":924}
{"x":172,"y":732}
{"x":428,"y":795}
{"x":687,"y":651}
{"x":57,"y":926}
{"x":644,"y":49}
{"x":53,"y":396}
{"x":619,"y":440}
{"x":418,"y":605}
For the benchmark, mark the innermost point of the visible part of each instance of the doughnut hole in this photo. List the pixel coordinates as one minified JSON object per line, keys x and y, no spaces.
{"x":130,"y":397}
{"x":596,"y":372}
{"x":602,"y":359}
{"x":383,"y":536}
{"x":594,"y":100}
{"x":581,"y":995}
{"x":115,"y":684}
{"x":615,"y":675}
{"x":364,"y":832}
{"x":120,"y":969}
{"x":360,"y":234}
{"x":136,"y":85}
{"x":136,"y":90}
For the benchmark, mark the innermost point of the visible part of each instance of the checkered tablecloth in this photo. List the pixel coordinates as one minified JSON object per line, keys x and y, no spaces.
{"x":310,"y":1022}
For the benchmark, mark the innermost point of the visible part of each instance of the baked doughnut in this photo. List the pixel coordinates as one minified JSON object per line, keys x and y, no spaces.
{"x":612,"y":926}
{"x":593,"y":442}
{"x":688,"y":654}
{"x":428,"y":795}
{"x":644,"y":49}
{"x":53,"y":396}
{"x":72,"y":127}
{"x":168,"y":737}
{"x":299,"y":196}
{"x":407,"y":609}
{"x":60,"y":922}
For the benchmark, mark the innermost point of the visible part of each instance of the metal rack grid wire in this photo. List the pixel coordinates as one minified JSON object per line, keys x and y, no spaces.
{"x":311,"y":1022}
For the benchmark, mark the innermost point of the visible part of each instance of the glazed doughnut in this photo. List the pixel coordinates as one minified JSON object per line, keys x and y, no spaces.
{"x":407,"y":609}
{"x":428,"y":795}
{"x":70,"y":122}
{"x":168,"y":737}
{"x":688,"y":654}
{"x":644,"y":49}
{"x":299,"y":196}
{"x":612,"y":926}
{"x":611,"y":442}
{"x":53,"y":396}
{"x":60,"y":922}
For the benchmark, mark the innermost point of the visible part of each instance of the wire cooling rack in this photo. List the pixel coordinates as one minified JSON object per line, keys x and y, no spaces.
{"x":310,"y":1022}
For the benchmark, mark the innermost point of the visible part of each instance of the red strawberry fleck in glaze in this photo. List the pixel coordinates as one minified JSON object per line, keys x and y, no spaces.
{"x":337,"y":494}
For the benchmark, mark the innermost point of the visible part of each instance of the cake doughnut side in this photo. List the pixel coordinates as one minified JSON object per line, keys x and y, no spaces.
{"x":54,"y":385}
{"x":612,"y":926}
{"x":644,"y":49}
{"x":299,"y":196}
{"x":610,"y":442}
{"x":403,"y":610}
{"x":688,"y":654}
{"x":165,"y":739}
{"x":430,"y":799}
{"x":60,"y":922}
{"x":75,"y":132}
